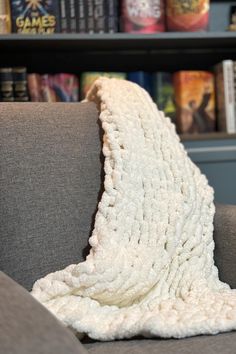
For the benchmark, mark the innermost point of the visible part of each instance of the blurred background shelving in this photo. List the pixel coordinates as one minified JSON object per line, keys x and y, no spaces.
{"x":215,"y":153}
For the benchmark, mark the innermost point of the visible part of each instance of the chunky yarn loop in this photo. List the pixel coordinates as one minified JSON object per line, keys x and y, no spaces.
{"x":150,"y":270}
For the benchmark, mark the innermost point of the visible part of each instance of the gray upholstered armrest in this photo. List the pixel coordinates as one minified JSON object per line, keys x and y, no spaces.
{"x":225,"y":243}
{"x":26,"y":327}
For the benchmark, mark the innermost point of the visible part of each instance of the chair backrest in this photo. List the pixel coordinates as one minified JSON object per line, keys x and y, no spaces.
{"x":50,"y":183}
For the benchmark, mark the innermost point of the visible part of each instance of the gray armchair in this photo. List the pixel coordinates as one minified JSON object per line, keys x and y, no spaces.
{"x":50,"y":183}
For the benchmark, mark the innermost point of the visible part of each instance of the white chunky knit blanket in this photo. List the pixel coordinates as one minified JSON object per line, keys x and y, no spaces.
{"x":150,"y":270}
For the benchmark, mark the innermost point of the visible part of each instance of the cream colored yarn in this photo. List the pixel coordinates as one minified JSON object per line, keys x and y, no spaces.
{"x":150,"y":270}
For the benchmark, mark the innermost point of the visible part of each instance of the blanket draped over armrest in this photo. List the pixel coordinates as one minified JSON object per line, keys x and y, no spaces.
{"x":150,"y":270}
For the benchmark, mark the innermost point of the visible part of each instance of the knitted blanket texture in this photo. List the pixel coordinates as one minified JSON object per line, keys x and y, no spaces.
{"x":150,"y":270}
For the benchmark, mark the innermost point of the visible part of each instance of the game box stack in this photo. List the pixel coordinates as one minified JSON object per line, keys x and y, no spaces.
{"x":142,"y":16}
{"x":192,"y":15}
{"x":31,"y":17}
{"x":104,"y":16}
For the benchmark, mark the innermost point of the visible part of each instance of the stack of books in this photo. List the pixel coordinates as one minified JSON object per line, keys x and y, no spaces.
{"x":102,"y":16}
{"x":58,"y":16}
{"x":13,"y":85}
{"x":151,"y":16}
{"x":18,"y":86}
{"x":196,"y":101}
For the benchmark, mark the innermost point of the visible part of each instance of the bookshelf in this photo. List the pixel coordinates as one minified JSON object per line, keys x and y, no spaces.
{"x":216,"y":157}
{"x":169,"y":51}
{"x":123,"y":41}
{"x":117,"y":52}
{"x":207,"y":136}
{"x":120,"y":52}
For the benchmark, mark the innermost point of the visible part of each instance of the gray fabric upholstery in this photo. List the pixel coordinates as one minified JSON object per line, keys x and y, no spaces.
{"x":220,"y":344}
{"x":50,"y":183}
{"x":225,"y":243}
{"x":50,"y":178}
{"x":26,"y":327}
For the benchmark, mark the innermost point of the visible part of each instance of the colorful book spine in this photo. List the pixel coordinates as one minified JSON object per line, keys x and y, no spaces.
{"x":72,"y":16}
{"x":35,"y":87}
{"x":195,"y":101}
{"x":112,"y":16}
{"x":81,"y":16}
{"x":145,"y":16}
{"x":20,"y":84}
{"x":48,"y":94}
{"x":35,"y":16}
{"x":192,"y":15}
{"x":6,"y":85}
{"x":141,"y":78}
{"x":5,"y":17}
{"x":66,"y":87}
{"x":234,"y":67}
{"x":90,"y":17}
{"x":64,"y":23}
{"x":87,"y":78}
{"x":225,"y":95}
{"x":99,"y":16}
{"x":163,"y":94}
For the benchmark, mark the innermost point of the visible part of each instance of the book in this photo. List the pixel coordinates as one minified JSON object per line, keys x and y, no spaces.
{"x":48,"y":94}
{"x":234,"y":68}
{"x":6,"y":85}
{"x":5,"y":17}
{"x":20,"y":84}
{"x":141,"y":78}
{"x":191,"y":15}
{"x":195,"y":101}
{"x":90,"y":16}
{"x":163,"y":94}
{"x":66,"y":87}
{"x":99,"y":16}
{"x":39,"y":16}
{"x":64,"y":20}
{"x":87,"y":78}
{"x":225,"y":96}
{"x":53,"y":88}
{"x":145,"y":16}
{"x":35,"y":87}
{"x":232,"y":19}
{"x":81,"y":15}
{"x":111,"y":11}
{"x":72,"y":15}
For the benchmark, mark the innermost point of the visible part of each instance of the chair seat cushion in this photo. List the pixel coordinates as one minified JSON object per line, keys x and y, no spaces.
{"x":224,"y":343}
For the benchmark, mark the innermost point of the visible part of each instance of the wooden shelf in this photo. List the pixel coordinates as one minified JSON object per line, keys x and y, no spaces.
{"x":122,"y":41}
